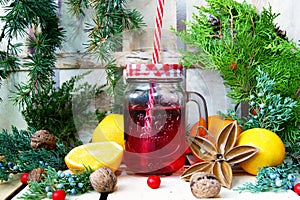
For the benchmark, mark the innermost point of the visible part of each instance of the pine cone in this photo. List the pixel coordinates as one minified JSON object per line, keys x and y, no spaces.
{"x":280,"y":33}
{"x":37,"y":174}
{"x":43,"y":139}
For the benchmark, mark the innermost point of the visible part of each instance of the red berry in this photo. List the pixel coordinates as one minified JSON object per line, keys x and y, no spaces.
{"x":153,"y":181}
{"x":233,"y":65}
{"x":24,"y":178}
{"x":253,"y":111}
{"x":59,"y":195}
{"x":297,"y":188}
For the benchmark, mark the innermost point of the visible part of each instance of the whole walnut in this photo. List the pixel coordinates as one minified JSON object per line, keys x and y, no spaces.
{"x":37,"y":174}
{"x":43,"y":139}
{"x":103,"y":180}
{"x":204,"y":185}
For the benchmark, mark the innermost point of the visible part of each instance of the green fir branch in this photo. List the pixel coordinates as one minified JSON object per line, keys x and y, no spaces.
{"x":77,"y":7}
{"x":227,"y":32}
{"x":105,"y":33}
{"x":275,"y":179}
{"x":44,"y":106}
{"x":40,"y":16}
{"x":110,"y":20}
{"x":237,"y":40}
{"x":270,"y":110}
{"x":54,"y":179}
{"x":116,"y":86}
{"x":53,"y":108}
{"x":17,"y":156}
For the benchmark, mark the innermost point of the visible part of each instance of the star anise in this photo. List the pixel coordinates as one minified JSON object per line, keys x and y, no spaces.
{"x":219,"y":155}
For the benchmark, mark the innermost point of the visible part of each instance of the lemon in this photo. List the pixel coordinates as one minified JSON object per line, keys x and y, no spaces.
{"x":271,"y":149}
{"x":95,"y":155}
{"x":111,"y":128}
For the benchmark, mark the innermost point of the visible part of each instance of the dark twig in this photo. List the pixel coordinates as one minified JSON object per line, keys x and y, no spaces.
{"x":103,"y":196}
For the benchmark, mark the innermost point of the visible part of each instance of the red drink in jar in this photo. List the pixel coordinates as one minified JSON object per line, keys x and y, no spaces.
{"x":155,"y":118}
{"x":159,"y":149}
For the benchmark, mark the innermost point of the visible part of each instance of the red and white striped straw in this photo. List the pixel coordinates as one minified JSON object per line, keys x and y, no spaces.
{"x":157,"y":31}
{"x":155,"y":59}
{"x":148,"y":122}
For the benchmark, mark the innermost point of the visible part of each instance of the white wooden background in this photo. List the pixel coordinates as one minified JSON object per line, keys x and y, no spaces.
{"x":207,"y":83}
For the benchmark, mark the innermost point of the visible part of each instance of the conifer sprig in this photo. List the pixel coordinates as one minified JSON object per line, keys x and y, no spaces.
{"x":17,"y":156}
{"x":41,"y":18}
{"x":270,"y":110}
{"x":235,"y":39}
{"x":110,"y":20}
{"x":72,"y":184}
{"x":275,"y":179}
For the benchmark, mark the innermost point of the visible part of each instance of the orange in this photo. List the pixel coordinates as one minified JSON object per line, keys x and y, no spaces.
{"x":271,"y":149}
{"x":95,"y":155}
{"x":197,"y":128}
{"x":111,"y":128}
{"x":215,"y":124}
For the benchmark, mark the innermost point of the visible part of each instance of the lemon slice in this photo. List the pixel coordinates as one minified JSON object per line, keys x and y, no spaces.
{"x":111,"y":128}
{"x":95,"y":155}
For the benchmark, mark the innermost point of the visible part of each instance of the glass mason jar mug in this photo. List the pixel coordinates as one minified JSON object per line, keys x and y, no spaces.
{"x":155,"y":118}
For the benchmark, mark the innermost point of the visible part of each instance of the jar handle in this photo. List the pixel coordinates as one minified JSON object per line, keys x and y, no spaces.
{"x":201,"y":104}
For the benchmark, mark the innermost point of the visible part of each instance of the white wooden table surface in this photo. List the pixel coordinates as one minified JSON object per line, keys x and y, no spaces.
{"x":134,"y":187}
{"x":10,"y":187}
